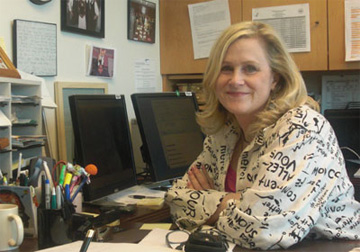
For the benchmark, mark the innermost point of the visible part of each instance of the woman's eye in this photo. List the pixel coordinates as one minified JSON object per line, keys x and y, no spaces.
{"x":226,"y":69}
{"x":250,"y":69}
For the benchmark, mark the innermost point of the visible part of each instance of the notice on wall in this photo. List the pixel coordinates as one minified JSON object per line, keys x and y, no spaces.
{"x":338,"y":90}
{"x":352,"y":30}
{"x":35,"y":47}
{"x":145,"y":75}
{"x":292,"y":22}
{"x":208,"y":20}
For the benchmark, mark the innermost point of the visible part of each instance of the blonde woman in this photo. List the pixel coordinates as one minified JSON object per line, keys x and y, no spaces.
{"x":271,"y":172}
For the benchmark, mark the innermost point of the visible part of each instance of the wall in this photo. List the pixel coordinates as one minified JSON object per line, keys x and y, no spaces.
{"x":71,"y":57}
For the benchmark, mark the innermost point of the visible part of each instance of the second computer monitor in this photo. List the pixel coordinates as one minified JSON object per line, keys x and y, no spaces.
{"x":171,"y":138}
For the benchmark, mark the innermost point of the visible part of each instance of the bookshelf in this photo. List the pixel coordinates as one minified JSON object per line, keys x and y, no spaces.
{"x":20,"y":116}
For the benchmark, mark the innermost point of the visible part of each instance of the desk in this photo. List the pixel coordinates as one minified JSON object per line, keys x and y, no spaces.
{"x":142,"y":214}
{"x":132,"y":234}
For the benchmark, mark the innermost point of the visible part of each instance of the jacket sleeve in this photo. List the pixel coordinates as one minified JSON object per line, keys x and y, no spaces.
{"x":298,"y":170}
{"x":192,"y":208}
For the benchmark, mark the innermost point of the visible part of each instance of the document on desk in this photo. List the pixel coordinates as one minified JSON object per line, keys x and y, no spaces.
{"x":108,"y":247}
{"x":125,"y":196}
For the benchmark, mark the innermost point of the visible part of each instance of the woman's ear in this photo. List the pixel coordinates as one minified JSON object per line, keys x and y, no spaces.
{"x":275,"y":81}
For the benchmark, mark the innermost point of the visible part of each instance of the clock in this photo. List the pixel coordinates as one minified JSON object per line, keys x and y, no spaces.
{"x":40,"y":2}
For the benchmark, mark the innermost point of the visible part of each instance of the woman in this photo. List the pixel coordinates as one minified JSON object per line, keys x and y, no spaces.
{"x":271,"y":171}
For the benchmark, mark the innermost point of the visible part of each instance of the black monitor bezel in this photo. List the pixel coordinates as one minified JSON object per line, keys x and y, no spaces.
{"x":89,"y":193}
{"x":156,"y":173}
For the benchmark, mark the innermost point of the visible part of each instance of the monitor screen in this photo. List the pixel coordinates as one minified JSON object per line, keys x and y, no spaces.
{"x":346,"y":124}
{"x":102,"y":137}
{"x":171,"y":138}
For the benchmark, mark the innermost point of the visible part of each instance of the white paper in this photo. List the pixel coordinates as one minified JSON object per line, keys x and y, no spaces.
{"x":47,"y":101}
{"x":122,"y":197}
{"x":207,"y":20}
{"x":352,"y":30}
{"x":108,"y":247}
{"x":4,"y":121}
{"x":339,"y":90}
{"x":292,"y":22}
{"x":145,"y":75}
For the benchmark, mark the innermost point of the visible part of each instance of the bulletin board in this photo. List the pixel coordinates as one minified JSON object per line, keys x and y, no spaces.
{"x":35,"y":47}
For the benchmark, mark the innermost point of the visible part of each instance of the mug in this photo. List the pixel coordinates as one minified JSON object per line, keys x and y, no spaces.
{"x":12,"y":234}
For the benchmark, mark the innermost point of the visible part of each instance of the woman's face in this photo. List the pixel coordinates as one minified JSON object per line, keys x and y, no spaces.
{"x":245,"y":80}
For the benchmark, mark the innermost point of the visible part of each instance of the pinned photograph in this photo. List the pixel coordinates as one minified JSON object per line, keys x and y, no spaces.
{"x":101,"y":62}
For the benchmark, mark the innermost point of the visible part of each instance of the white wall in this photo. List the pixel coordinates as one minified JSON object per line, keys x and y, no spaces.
{"x":71,"y":58}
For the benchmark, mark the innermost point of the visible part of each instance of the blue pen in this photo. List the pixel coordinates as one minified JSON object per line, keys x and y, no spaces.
{"x":67,"y":192}
{"x":79,"y":188}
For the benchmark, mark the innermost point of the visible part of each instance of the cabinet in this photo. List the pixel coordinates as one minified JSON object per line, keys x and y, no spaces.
{"x":337,"y":38}
{"x":28,"y":123}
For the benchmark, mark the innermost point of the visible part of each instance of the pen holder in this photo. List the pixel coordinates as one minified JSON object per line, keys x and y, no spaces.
{"x":55,"y":226}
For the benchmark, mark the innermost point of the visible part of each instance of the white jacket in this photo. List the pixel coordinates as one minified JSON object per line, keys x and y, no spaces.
{"x":293,"y":182}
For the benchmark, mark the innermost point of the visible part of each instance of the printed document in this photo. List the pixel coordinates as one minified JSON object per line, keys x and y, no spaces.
{"x":352,"y":30}
{"x":292,"y":22}
{"x":207,"y":20}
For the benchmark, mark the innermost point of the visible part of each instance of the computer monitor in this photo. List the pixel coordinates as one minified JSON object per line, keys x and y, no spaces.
{"x":346,"y":124}
{"x":102,"y":137}
{"x":171,"y":138}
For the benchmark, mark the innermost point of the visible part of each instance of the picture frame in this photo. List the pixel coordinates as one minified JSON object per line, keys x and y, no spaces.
{"x":141,"y":21}
{"x":35,"y":47}
{"x":65,"y":135}
{"x":83,"y":17}
{"x":101,"y":62}
{"x":7,"y":69}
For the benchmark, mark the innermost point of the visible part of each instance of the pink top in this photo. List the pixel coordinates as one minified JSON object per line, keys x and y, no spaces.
{"x":230,"y":180}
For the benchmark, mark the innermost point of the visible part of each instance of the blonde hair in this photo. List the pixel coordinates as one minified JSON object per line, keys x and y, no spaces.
{"x":289,"y":92}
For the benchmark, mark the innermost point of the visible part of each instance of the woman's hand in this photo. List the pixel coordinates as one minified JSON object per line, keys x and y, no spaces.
{"x":214,"y":218}
{"x":199,"y":179}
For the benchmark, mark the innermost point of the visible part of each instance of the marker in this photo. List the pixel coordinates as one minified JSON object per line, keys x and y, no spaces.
{"x":67,"y":192}
{"x":62,"y":175}
{"x":53,"y":198}
{"x":68,"y":178}
{"x":47,"y":194}
{"x":58,"y":197}
{"x":88,"y":238}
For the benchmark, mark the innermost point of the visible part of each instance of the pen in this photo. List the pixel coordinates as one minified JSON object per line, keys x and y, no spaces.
{"x":88,"y":238}
{"x":47,"y":194}
{"x":19,"y":166}
{"x":143,"y":197}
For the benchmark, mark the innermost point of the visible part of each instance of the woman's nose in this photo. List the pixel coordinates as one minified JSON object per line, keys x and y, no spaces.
{"x":237,"y":78}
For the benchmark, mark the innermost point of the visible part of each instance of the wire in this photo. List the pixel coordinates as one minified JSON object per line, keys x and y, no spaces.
{"x":351,"y":150}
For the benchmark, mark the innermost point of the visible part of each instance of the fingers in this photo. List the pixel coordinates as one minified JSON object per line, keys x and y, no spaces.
{"x":210,"y":181}
{"x":199,"y":179}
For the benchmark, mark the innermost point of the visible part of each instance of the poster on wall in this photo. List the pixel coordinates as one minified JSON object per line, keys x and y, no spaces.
{"x":85,"y":17}
{"x":101,"y":62}
{"x":141,"y":21}
{"x":35,"y":47}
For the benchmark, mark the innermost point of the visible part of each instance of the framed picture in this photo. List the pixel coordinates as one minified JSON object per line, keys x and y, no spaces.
{"x":141,"y":20}
{"x":85,"y":17}
{"x":65,"y":135}
{"x":35,"y":47}
{"x":101,"y":62}
{"x":7,"y":69}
